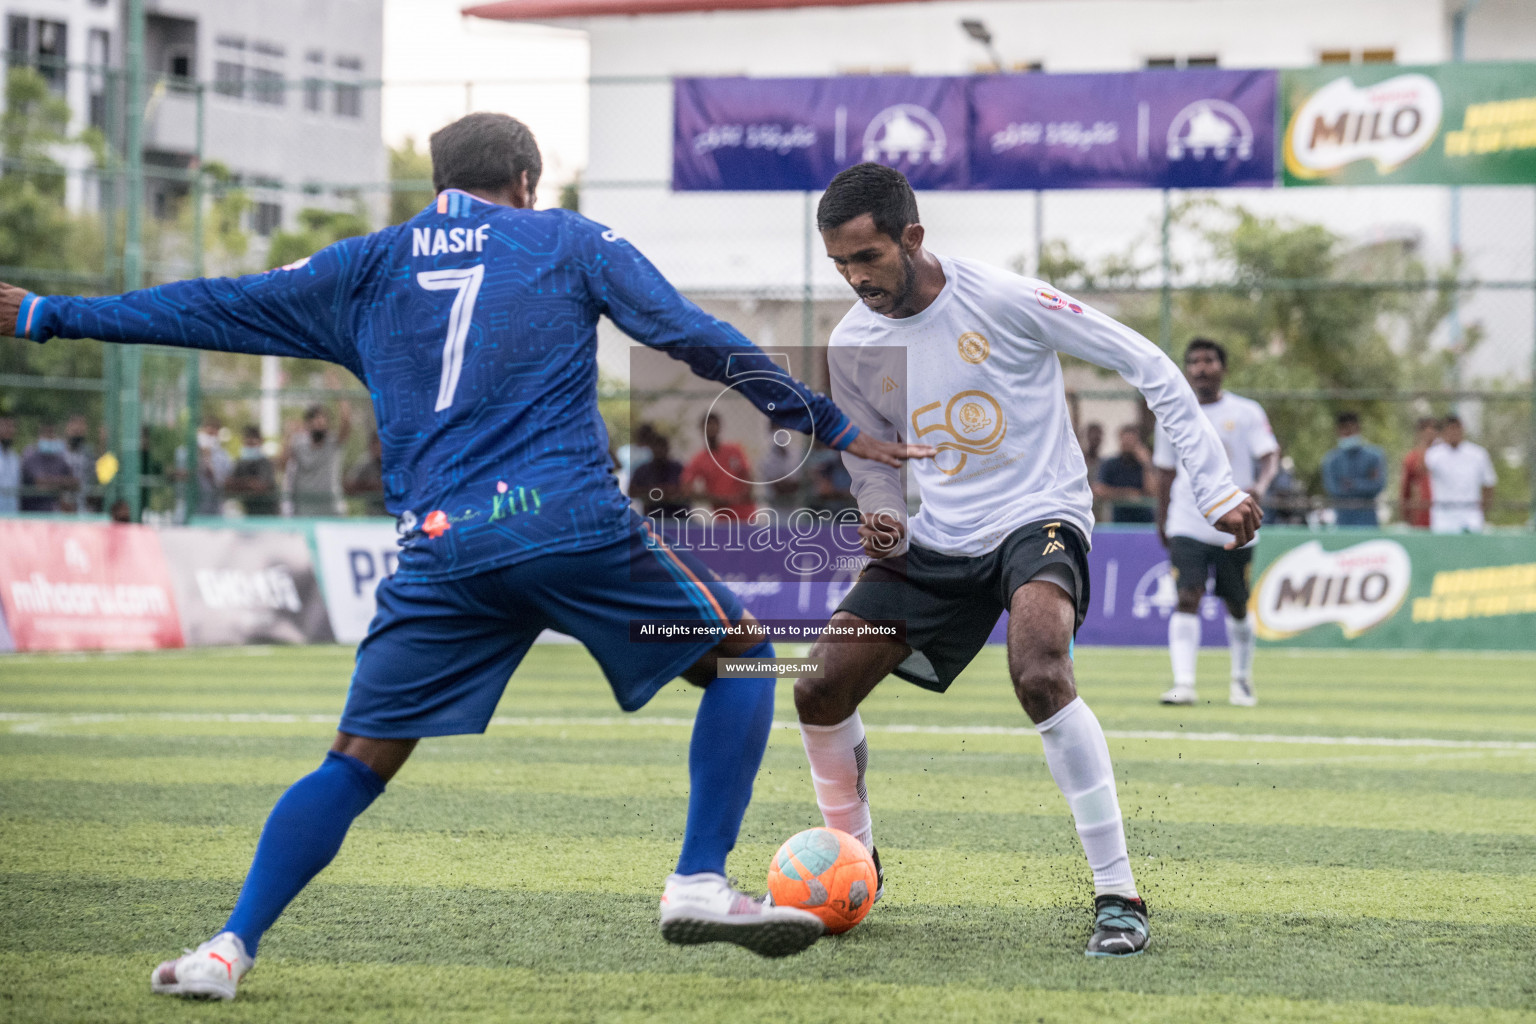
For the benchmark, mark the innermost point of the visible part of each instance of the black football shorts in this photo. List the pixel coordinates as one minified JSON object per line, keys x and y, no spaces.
{"x":951,"y":602}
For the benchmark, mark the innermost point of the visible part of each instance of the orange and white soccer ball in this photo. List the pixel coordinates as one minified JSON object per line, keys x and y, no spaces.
{"x":827,"y":872}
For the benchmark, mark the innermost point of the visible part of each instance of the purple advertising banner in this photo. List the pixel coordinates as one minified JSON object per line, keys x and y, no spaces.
{"x":1132,"y":588}
{"x":797,"y":133}
{"x":1204,"y":128}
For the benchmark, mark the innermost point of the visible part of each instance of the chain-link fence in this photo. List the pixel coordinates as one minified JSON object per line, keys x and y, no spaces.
{"x":1361,"y":300}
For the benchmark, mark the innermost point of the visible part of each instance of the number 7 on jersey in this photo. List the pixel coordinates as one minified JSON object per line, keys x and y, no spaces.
{"x":465,"y":281}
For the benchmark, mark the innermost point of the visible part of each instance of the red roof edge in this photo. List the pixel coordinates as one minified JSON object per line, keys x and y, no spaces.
{"x":539,"y":10}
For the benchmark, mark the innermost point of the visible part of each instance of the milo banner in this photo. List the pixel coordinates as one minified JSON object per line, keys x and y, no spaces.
{"x":1441,"y":124}
{"x":1396,"y":590}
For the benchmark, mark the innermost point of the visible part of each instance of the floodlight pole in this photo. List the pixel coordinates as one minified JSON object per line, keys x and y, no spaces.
{"x":130,"y":360}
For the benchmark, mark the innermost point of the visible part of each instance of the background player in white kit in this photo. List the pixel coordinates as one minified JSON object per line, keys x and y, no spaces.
{"x":964,"y":357}
{"x":1194,"y":548}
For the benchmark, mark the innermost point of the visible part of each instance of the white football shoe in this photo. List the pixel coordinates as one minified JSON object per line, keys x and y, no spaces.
{"x":1241,"y":694}
{"x":1179,"y":695}
{"x":211,"y":971}
{"x":707,"y":908}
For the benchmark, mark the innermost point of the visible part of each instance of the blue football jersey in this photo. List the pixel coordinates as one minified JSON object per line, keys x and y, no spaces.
{"x":474,"y":328}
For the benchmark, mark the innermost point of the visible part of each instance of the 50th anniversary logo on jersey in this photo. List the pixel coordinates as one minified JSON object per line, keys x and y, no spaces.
{"x":974,"y":422}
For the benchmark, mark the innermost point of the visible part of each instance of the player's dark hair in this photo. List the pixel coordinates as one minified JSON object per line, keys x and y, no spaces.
{"x":1347,"y":419}
{"x":875,"y":189}
{"x":484,"y":153}
{"x":1210,"y":346}
{"x":313,"y":411}
{"x":1453,"y":418}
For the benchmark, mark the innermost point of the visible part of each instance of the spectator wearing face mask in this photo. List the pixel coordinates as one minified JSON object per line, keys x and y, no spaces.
{"x":365,"y":480}
{"x":79,"y":453}
{"x":10,"y":467}
{"x":312,"y":465}
{"x":253,"y":480}
{"x":45,"y":473}
{"x":213,"y":468}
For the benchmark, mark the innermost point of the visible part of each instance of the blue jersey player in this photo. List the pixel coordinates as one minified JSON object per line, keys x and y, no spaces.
{"x":473,"y":326}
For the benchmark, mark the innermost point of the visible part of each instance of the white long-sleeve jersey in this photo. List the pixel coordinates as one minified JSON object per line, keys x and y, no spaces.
{"x":976,"y":375}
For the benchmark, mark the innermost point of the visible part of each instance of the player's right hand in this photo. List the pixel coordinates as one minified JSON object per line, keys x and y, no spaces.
{"x":10,"y":308}
{"x":1242,"y":523}
{"x":881,"y":533}
{"x":892,"y":453}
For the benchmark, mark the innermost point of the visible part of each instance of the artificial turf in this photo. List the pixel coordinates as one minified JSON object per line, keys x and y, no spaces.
{"x":1360,"y":847}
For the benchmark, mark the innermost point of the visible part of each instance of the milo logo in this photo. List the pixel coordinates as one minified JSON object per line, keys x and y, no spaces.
{"x":1388,"y":122}
{"x":1358,"y":587}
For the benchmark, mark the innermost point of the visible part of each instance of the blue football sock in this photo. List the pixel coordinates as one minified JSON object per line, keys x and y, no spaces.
{"x":730,"y":734}
{"x":301,"y":836}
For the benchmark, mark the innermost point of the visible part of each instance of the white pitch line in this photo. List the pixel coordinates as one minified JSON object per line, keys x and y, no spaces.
{"x":28,"y":722}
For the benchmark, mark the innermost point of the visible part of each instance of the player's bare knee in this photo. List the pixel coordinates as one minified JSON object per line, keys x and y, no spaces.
{"x":1189,"y":601}
{"x":822,"y":701}
{"x":1044,"y":685}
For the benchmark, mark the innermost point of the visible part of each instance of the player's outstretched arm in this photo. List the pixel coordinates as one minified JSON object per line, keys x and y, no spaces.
{"x":300,"y":310}
{"x":649,"y":309}
{"x":1084,"y":332}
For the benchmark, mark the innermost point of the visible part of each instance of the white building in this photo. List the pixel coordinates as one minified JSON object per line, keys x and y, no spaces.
{"x":725,"y":243}
{"x":287,"y":110}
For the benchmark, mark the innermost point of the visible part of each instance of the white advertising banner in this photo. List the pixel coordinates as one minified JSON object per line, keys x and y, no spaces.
{"x":354,"y":557}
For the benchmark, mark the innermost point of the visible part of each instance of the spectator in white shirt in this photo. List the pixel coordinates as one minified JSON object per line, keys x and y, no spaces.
{"x":1461,"y":479}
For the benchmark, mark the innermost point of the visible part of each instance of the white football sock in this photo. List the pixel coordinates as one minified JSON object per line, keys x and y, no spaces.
{"x":1241,"y":640}
{"x":838,"y":754}
{"x":1078,"y":756}
{"x":1183,"y":646}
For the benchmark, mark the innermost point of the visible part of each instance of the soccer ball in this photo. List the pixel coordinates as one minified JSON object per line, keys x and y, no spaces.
{"x":826,"y":872}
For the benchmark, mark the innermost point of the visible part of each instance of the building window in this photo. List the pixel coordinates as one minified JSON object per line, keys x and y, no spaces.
{"x":349,"y":95}
{"x":314,"y":83}
{"x":98,"y":50}
{"x":1372,"y":55}
{"x":180,"y":65}
{"x":1199,"y":60}
{"x":267,"y":73}
{"x":266,"y":218}
{"x":40,"y":44}
{"x":229,"y":68}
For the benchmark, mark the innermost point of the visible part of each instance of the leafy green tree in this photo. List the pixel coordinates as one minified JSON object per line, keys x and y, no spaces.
{"x":410,"y":176}
{"x":318,"y":229}
{"x":1299,"y":309}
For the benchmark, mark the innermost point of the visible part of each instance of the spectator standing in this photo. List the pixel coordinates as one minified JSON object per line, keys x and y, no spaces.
{"x":1126,"y":480}
{"x":312,"y":465}
{"x":80,"y":455}
{"x":1092,"y":444}
{"x":1462,"y":478}
{"x":722,"y":472}
{"x":45,"y":474}
{"x":778,"y":470}
{"x":253,"y":480}
{"x":657,"y":483}
{"x":1417,"y":494}
{"x":213,"y":468}
{"x":10,"y":467}
{"x":366,"y":479}
{"x":832,"y":484}
{"x":1354,"y":473}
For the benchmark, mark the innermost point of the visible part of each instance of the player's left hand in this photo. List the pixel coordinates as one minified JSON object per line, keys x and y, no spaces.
{"x":892,"y":453}
{"x":10,"y":308}
{"x":1242,"y":523}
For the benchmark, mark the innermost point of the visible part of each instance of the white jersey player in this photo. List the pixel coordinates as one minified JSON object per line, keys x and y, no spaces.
{"x":963,"y":356}
{"x":1196,"y":551}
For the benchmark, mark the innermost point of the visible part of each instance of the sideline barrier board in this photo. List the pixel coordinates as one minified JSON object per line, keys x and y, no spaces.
{"x":245,"y":587}
{"x":86,"y":586}
{"x":354,"y":558}
{"x":1388,"y":590}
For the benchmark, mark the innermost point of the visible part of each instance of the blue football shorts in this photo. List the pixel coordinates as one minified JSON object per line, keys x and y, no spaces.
{"x":438,"y":655}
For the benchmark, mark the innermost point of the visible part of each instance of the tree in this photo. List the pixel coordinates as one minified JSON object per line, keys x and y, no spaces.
{"x":1299,"y":309}
{"x":319,"y":228}
{"x":410,"y":177}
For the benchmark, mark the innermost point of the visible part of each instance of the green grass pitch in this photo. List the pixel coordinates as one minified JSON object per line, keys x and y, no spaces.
{"x":1360,"y":847}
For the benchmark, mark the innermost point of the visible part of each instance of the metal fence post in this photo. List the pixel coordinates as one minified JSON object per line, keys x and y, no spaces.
{"x":807,"y":309}
{"x":1165,"y":296}
{"x":194,"y":357}
{"x":130,"y":359}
